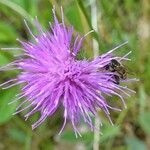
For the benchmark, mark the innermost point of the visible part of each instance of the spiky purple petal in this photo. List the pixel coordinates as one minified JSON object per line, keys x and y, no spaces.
{"x":52,"y":76}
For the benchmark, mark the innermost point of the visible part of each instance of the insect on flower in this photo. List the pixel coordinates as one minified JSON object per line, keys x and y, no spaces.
{"x":51,"y":76}
{"x":115,"y":66}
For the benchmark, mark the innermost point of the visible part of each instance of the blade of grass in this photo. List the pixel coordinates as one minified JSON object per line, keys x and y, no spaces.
{"x":17,"y":9}
{"x":81,"y":6}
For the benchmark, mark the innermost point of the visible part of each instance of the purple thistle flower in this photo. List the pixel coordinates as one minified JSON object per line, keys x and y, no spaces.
{"x":52,"y":76}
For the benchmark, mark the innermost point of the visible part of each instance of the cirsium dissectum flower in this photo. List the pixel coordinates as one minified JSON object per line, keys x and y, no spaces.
{"x":52,"y":76}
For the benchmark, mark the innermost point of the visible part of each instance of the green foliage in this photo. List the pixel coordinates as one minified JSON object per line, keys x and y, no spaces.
{"x":3,"y":59}
{"x":7,"y":33}
{"x":109,"y":132}
{"x":118,"y":21}
{"x":69,"y":137}
{"x":17,"y":135}
{"x":144,"y":120}
{"x":134,"y":143}
{"x":5,"y":109}
{"x":73,"y":10}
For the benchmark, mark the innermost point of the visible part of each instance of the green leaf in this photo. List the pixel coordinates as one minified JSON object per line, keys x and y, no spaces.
{"x":21,"y":3}
{"x":108,"y":132}
{"x":135,"y":144}
{"x":3,"y":59}
{"x":17,"y":8}
{"x":144,"y":120}
{"x":7,"y":33}
{"x":17,"y":135}
{"x":5,"y":109}
{"x":28,"y":5}
{"x":31,"y":7}
{"x":142,"y":99}
{"x":73,"y":16}
{"x":70,"y":137}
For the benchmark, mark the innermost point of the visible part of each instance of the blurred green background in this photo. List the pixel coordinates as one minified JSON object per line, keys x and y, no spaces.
{"x":118,"y":21}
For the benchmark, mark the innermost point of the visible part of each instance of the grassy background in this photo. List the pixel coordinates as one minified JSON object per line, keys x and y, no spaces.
{"x":118,"y":21}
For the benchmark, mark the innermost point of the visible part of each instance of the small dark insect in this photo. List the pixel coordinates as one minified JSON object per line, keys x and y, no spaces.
{"x":116,"y":79}
{"x":115,"y":66}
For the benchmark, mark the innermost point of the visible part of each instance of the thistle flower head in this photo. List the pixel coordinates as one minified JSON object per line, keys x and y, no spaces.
{"x":52,"y":76}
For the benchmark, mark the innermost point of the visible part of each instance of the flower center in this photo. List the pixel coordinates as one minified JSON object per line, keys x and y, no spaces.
{"x":70,"y":70}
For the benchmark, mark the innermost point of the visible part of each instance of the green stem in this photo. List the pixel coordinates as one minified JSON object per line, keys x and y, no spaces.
{"x":81,"y":6}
